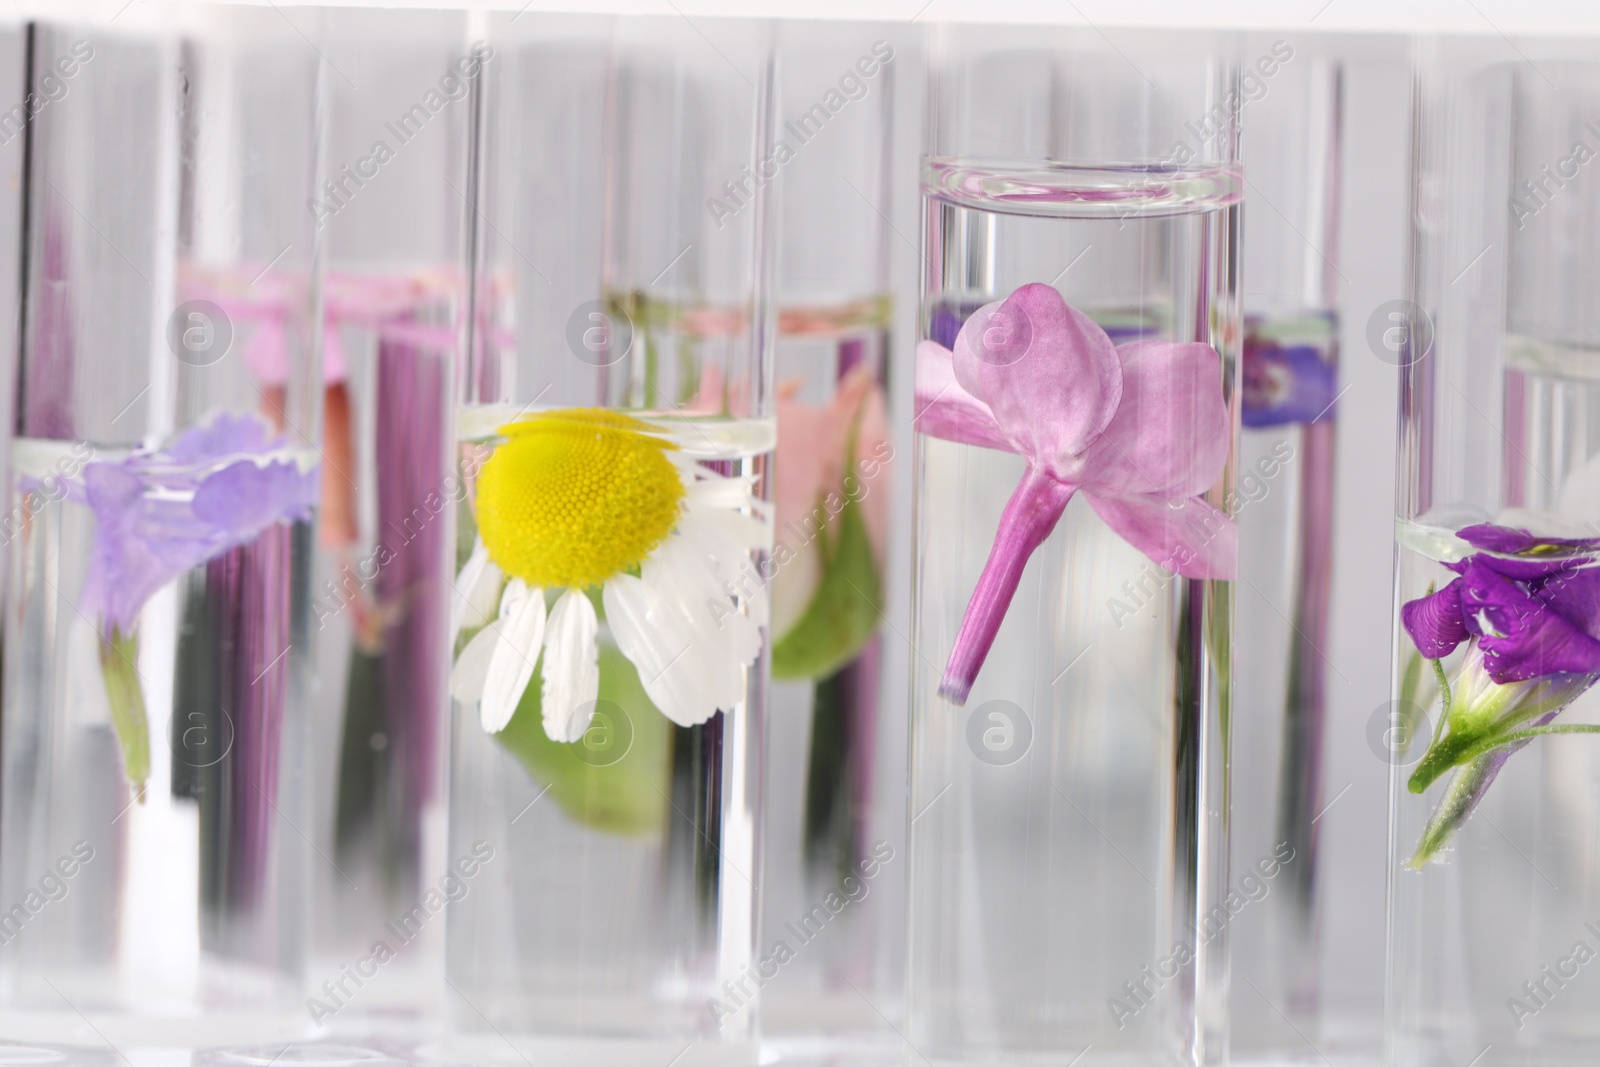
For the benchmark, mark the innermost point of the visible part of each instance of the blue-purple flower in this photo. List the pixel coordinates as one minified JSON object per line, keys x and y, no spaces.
{"x":1527,"y":608}
{"x":160,"y":513}
{"x":1532,"y":604}
{"x":1285,"y":383}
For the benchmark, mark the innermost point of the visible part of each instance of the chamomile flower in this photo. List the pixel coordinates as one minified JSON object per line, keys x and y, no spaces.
{"x":585,"y":499}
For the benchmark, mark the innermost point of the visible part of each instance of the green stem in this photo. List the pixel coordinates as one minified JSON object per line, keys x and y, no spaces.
{"x":1411,"y":678}
{"x":1481,"y":731}
{"x":118,"y":654}
{"x":1477,"y":729}
{"x":1499,"y":740}
{"x":1463,"y":748}
{"x":1444,"y":698}
{"x":1440,"y":757}
{"x":1465,"y":789}
{"x":1454,"y":807}
{"x":1533,"y":710}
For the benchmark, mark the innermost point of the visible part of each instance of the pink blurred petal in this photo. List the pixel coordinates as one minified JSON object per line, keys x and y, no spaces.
{"x":1030,"y":515}
{"x":803,"y":460}
{"x":803,"y":466}
{"x":334,"y":367}
{"x":872,"y":446}
{"x":266,"y":353}
{"x":1170,"y":435}
{"x":1188,"y":537}
{"x":714,"y":395}
{"x":947,"y":411}
{"x":708,"y":397}
{"x":812,"y":445}
{"x":1048,"y":373}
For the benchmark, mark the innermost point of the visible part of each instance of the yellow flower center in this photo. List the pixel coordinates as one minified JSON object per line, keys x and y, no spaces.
{"x":576,"y":496}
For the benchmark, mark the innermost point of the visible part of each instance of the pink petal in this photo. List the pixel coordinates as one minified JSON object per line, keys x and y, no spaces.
{"x":809,"y":458}
{"x":708,"y":399}
{"x":812,"y":445}
{"x":1171,"y":432}
{"x":1030,"y":515}
{"x":1048,"y":373}
{"x":266,"y":352}
{"x":812,"y":442}
{"x":947,"y":411}
{"x":1188,"y":537}
{"x":801,"y":471}
{"x":873,"y":447}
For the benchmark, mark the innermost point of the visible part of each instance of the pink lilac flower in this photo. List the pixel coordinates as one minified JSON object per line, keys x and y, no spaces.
{"x":1141,"y":429}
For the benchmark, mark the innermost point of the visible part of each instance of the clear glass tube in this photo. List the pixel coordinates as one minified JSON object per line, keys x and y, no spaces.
{"x":620,"y":298}
{"x":1068,"y":860}
{"x":13,"y":67}
{"x":1494,"y":879}
{"x":834,"y":864}
{"x":1291,"y":136}
{"x":400,"y":118}
{"x":164,"y":480}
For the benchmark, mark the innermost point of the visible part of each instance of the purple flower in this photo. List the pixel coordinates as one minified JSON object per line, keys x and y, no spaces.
{"x":1284,"y":384}
{"x":1528,"y":610}
{"x":1435,"y":622}
{"x":946,"y":322}
{"x":1532,"y":617}
{"x":161,"y":513}
{"x":1509,"y":542}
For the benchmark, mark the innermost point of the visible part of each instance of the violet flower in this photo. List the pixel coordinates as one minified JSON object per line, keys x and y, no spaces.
{"x":160,"y":513}
{"x":1531,"y":604}
{"x":1285,"y":383}
{"x":1140,"y":429}
{"x":1528,"y":610}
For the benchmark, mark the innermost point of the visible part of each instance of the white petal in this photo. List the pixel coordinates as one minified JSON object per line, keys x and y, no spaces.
{"x":640,"y":625}
{"x":637,"y":635}
{"x":472,"y":666}
{"x":571,"y":670}
{"x":477,"y":587}
{"x":723,"y":640}
{"x":679,"y":629}
{"x":730,"y":565}
{"x":701,"y":481}
{"x":749,"y":532}
{"x":728,"y":504}
{"x":521,"y":626}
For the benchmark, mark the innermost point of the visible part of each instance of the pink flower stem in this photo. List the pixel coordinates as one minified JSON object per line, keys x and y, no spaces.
{"x":1030,"y":515}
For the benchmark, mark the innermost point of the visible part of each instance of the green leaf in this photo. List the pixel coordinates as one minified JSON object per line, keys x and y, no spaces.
{"x":466,"y":532}
{"x":118,"y":654}
{"x":843,"y":613}
{"x":627,"y":797}
{"x":363,"y":769}
{"x":1411,"y":679}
